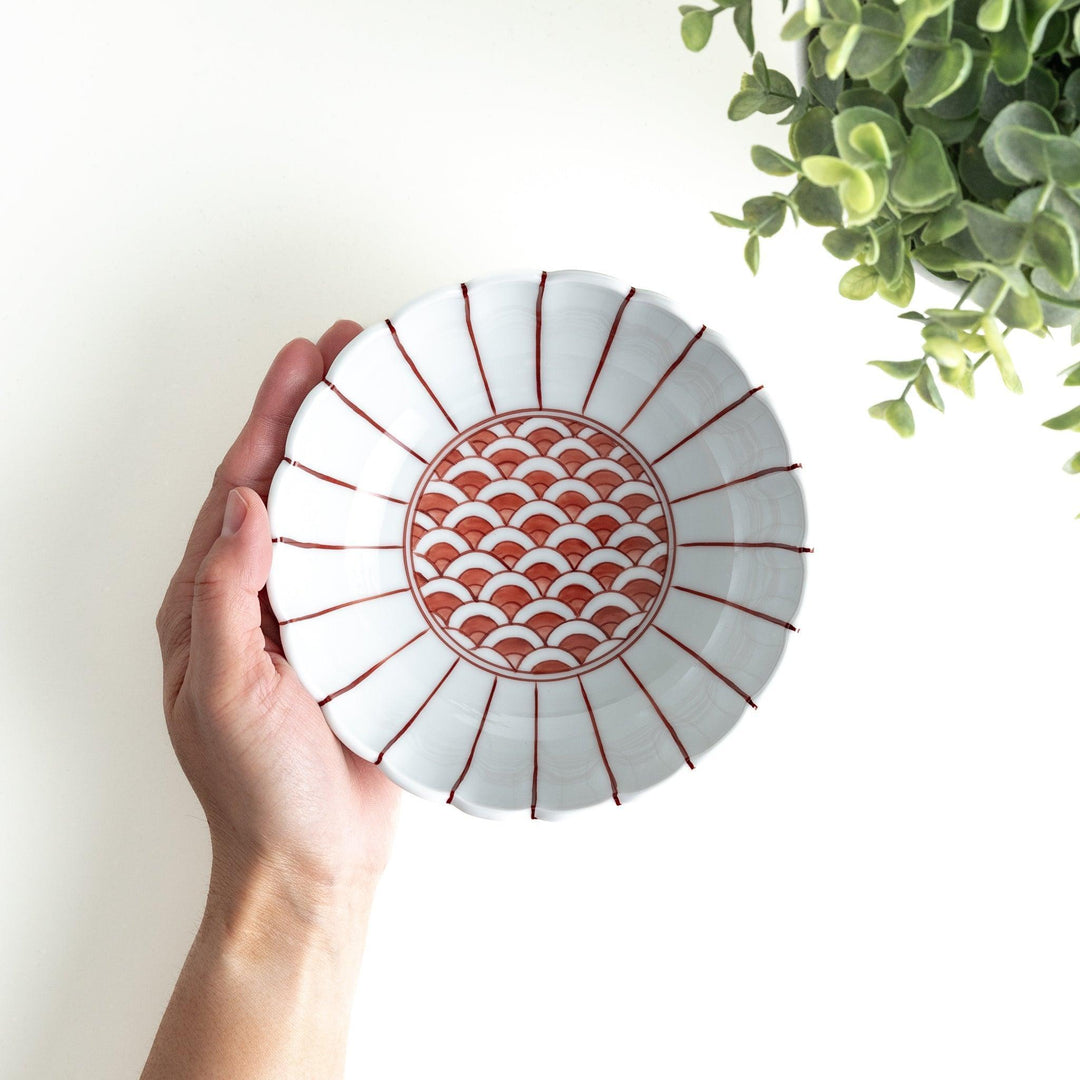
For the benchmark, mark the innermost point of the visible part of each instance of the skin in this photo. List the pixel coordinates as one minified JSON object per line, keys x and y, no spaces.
{"x":300,"y":828}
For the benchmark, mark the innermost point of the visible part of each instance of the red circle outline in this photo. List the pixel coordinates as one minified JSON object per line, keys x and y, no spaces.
{"x":410,"y":571}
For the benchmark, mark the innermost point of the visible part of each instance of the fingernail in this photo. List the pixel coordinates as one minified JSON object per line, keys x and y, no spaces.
{"x":235,"y":512}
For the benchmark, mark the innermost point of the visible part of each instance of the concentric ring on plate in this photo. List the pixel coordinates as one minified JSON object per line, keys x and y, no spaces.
{"x":538,"y":543}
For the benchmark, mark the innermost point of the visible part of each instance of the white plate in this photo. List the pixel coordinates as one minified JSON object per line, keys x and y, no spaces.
{"x":537,"y":543}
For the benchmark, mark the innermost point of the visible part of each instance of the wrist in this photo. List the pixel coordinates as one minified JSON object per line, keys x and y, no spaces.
{"x":261,"y":906}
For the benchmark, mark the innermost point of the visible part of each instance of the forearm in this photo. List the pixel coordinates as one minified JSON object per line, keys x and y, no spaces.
{"x":267,"y":986}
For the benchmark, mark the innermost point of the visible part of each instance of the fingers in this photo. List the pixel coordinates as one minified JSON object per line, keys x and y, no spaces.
{"x":335,"y":339}
{"x":250,"y":462}
{"x":228,"y":659}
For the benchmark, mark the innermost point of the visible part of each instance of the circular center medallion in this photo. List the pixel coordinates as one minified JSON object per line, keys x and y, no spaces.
{"x":539,"y":544}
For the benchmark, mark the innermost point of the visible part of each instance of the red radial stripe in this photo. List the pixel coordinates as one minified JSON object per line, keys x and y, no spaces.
{"x":659,"y":712}
{"x":705,"y":663}
{"x":536,"y":747}
{"x":746,"y":544}
{"x":342,"y":483}
{"x":420,"y":378}
{"x":712,"y":420}
{"x":338,"y":607}
{"x":424,"y":704}
{"x":539,"y":315}
{"x":333,"y":547}
{"x":740,"y":480}
{"x":476,"y":348}
{"x":660,"y":382}
{"x":599,"y":742}
{"x":739,"y":607}
{"x":472,"y":751}
{"x":371,"y":670}
{"x":374,"y":423}
{"x":607,"y":346}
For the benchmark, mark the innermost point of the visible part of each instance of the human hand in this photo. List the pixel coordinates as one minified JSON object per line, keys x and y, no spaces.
{"x":284,"y":799}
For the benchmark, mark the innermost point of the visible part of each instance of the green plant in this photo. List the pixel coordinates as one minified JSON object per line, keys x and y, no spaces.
{"x":942,"y":132}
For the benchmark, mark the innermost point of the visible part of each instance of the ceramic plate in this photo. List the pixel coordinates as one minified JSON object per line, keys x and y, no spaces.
{"x":537,"y":543}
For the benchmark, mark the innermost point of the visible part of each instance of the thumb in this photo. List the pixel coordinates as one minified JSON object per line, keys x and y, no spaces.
{"x":228,"y":650}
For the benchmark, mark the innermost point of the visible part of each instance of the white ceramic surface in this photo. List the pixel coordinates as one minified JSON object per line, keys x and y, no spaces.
{"x":538,"y":543}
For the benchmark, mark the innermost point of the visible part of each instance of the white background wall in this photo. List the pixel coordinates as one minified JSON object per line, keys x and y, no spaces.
{"x":874,"y":876}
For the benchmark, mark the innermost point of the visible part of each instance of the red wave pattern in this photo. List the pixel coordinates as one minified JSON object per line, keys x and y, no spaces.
{"x":539,"y":544}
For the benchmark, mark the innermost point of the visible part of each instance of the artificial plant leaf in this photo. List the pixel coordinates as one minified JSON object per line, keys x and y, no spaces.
{"x":901,"y":291}
{"x":1072,"y":378}
{"x":959,"y":376}
{"x":765,"y":213}
{"x":817,"y":205}
{"x":888,"y":142}
{"x":752,"y":253}
{"x":993,"y":15}
{"x":772,"y":163}
{"x":955,"y":318}
{"x":879,"y":43}
{"x":995,"y":342}
{"x":999,"y":238}
{"x":926,"y":387}
{"x":731,"y":222}
{"x":899,"y":369}
{"x":891,"y":254}
{"x":796,"y":27}
{"x":934,"y":74}
{"x":1035,"y":17}
{"x":1034,"y":157}
{"x":1068,"y":421}
{"x":848,"y":11}
{"x":696,"y":28}
{"x":745,"y":103}
{"x":844,"y":243}
{"x":945,"y":223}
{"x":744,"y":24}
{"x":837,"y":59}
{"x":915,"y":13}
{"x":1073,"y":464}
{"x":813,"y":134}
{"x":898,"y":415}
{"x":1024,"y":312}
{"x":826,"y":170}
{"x":859,"y":283}
{"x":923,"y":177}
{"x":858,"y":96}
{"x":1020,"y":114}
{"x":1009,"y":53}
{"x":1055,"y":245}
{"x":976,"y":176}
{"x":949,"y":131}
{"x":948,"y":352}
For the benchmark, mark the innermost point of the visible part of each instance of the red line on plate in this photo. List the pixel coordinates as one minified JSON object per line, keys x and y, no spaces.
{"x":468,"y":763}
{"x":374,"y":667}
{"x":745,"y":544}
{"x":374,"y":423}
{"x":420,"y":378}
{"x":423,"y":706}
{"x":740,"y":480}
{"x":659,"y":712}
{"x":338,"y":607}
{"x":476,"y":348}
{"x":599,"y":742}
{"x":539,"y":305}
{"x":607,"y":346}
{"x":536,"y":747}
{"x":739,"y":607}
{"x":705,"y":663}
{"x":660,"y":382}
{"x":343,"y":483}
{"x":712,"y":420}
{"x":334,"y":547}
